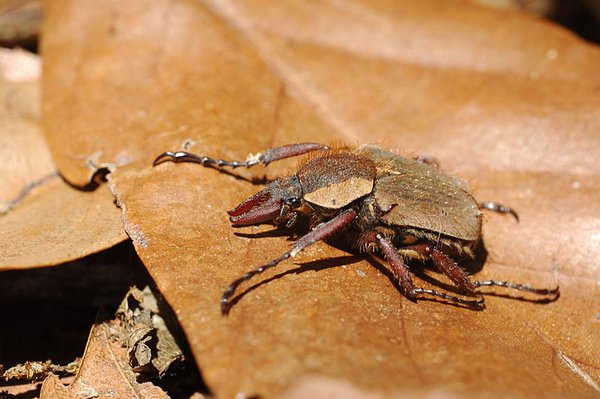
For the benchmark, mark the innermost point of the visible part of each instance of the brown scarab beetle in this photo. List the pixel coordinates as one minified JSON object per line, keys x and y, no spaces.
{"x":407,"y":209}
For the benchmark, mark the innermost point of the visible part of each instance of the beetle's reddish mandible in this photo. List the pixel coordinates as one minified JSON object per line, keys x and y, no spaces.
{"x":406,"y":209}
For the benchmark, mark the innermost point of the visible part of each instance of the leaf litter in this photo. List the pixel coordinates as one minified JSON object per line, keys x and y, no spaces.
{"x":326,"y":321}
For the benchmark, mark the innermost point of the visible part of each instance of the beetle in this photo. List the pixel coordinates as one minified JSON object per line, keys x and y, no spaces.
{"x":404,"y":208}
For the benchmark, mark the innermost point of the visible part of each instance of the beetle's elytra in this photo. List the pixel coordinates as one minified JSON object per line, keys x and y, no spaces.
{"x":406,"y":209}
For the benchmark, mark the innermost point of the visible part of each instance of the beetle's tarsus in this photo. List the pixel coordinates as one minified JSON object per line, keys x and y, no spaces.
{"x":224,"y":306}
{"x":163,"y":157}
{"x":183,"y":156}
{"x":477,"y":303}
{"x":228,"y":293}
{"x":495,"y":207}
{"x":518,"y":287}
{"x":270,"y":155}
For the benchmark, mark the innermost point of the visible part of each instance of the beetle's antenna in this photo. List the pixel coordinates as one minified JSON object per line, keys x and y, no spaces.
{"x":270,"y":155}
{"x":321,"y":232}
{"x":495,"y":207}
{"x":518,"y":287}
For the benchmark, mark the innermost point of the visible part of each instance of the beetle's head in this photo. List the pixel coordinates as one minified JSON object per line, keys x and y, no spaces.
{"x":275,"y":203}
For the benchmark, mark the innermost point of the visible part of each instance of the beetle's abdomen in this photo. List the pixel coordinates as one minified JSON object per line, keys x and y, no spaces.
{"x":336,"y":179}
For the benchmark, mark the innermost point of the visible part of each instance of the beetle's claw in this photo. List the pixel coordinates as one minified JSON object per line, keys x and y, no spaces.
{"x":165,"y":156}
{"x":225,"y":306}
{"x":495,"y":207}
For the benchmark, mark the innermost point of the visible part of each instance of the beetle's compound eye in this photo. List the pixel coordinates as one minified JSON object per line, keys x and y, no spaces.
{"x":287,"y":216}
{"x":293,"y":202}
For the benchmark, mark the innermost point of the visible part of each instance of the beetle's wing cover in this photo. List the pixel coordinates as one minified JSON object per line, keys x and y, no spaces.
{"x":422,"y":196}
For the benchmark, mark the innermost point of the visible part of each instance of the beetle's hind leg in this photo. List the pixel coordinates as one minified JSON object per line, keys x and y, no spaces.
{"x":407,"y":286}
{"x":444,"y":263}
{"x":459,"y":277}
{"x":496,"y":207}
{"x":551,"y":293}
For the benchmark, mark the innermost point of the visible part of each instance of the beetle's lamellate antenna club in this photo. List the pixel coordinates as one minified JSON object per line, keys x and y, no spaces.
{"x":406,"y":209}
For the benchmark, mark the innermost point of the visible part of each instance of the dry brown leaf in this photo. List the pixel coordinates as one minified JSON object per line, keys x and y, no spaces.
{"x":20,"y":22}
{"x":104,"y":371}
{"x":47,"y":221}
{"x":508,"y":101}
{"x":57,"y":223}
{"x":319,"y":387}
{"x":26,"y":160}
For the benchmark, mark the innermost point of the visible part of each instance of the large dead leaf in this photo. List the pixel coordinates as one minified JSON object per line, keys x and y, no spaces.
{"x":508,"y":101}
{"x":43,"y":220}
{"x":23,"y":148}
{"x":57,"y":223}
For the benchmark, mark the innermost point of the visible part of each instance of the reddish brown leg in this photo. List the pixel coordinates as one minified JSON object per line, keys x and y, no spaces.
{"x":402,"y":273}
{"x":459,"y":277}
{"x":399,"y":268}
{"x":445,"y":265}
{"x":518,"y":287}
{"x":321,"y":232}
{"x":270,"y":155}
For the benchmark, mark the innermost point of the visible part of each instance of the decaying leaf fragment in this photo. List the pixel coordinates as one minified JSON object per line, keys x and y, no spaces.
{"x":104,"y":371}
{"x":151,"y":346}
{"x":35,"y":371}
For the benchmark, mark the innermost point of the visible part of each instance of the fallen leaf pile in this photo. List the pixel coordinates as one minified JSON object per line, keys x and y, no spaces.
{"x":506,"y":101}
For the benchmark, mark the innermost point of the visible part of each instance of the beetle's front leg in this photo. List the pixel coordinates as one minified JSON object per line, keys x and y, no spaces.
{"x":319,"y":233}
{"x":265,"y":158}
